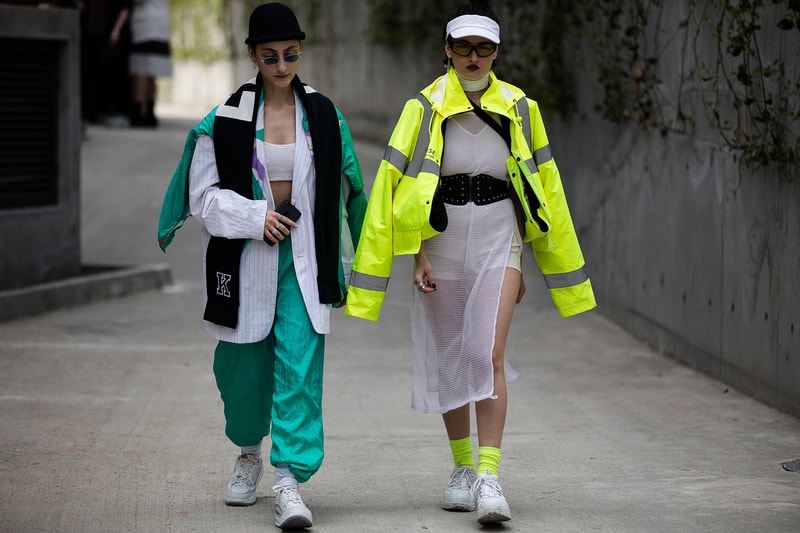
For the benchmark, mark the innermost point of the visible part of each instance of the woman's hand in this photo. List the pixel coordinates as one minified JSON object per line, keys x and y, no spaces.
{"x":277,"y":226}
{"x":423,"y":274}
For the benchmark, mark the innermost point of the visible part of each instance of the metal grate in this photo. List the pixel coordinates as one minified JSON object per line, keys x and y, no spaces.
{"x":29,"y":94}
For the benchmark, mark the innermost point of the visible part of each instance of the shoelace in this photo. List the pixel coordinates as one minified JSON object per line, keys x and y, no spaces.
{"x":459,"y":479}
{"x":243,"y":470}
{"x":291,"y":494}
{"x":488,"y":488}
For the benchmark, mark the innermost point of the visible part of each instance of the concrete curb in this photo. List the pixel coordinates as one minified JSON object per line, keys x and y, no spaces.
{"x":108,"y":282}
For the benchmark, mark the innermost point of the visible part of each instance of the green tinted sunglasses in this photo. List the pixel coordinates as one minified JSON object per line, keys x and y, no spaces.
{"x":273,"y":60}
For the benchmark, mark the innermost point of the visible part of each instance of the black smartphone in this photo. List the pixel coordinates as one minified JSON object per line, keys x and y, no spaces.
{"x":289,"y":211}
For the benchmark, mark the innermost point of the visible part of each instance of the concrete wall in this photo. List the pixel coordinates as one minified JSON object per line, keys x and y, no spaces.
{"x":43,"y":243}
{"x":689,"y":255}
{"x":686,"y":249}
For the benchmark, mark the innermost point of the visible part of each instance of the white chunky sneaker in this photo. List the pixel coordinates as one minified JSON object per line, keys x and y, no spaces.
{"x":459,"y":496}
{"x":290,"y":511}
{"x":492,"y":505}
{"x":241,"y":487}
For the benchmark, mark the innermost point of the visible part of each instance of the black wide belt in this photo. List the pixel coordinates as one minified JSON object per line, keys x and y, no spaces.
{"x":459,"y":189}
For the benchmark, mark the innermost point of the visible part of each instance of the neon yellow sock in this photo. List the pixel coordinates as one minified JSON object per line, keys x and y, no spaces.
{"x":462,"y":452}
{"x":488,"y":459}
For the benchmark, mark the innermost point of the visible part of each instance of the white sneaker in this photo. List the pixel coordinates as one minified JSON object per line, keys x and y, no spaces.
{"x":458,"y":496}
{"x":290,"y":511}
{"x":492,"y":505}
{"x":241,"y":487}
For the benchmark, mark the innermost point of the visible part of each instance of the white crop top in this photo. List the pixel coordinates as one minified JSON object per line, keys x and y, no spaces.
{"x":279,"y":161}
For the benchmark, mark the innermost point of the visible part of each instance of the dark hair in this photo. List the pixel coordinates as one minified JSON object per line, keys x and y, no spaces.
{"x":473,"y":8}
{"x":476,"y":7}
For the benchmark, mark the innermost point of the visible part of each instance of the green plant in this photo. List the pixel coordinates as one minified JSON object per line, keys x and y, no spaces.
{"x":625,"y":36}
{"x":753,"y":100}
{"x":398,"y":23}
{"x":535,"y":40}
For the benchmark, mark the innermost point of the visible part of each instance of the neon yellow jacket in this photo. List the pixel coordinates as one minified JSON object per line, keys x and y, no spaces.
{"x":397,"y":218}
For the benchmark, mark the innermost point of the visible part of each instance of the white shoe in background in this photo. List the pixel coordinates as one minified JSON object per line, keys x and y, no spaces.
{"x":241,"y":487}
{"x":459,"y":496}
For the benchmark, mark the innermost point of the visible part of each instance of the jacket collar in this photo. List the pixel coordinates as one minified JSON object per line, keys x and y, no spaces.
{"x":448,"y":98}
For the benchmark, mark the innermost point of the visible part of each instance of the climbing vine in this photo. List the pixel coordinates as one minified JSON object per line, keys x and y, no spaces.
{"x":754,"y":99}
{"x":741,"y":56}
{"x":625,"y":60}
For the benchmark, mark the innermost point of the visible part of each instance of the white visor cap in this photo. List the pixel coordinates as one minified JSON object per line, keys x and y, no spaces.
{"x":474,"y":25}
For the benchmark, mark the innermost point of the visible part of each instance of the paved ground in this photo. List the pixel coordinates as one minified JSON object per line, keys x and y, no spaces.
{"x":111,"y":420}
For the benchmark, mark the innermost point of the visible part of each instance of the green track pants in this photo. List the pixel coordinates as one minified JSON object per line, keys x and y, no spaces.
{"x":277,"y":381}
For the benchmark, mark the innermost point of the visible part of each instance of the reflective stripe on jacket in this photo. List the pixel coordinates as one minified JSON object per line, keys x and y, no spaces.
{"x":399,"y":207}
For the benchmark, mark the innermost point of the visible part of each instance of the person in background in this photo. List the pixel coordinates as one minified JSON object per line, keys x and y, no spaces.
{"x":468,"y":176}
{"x":273,"y":176}
{"x":149,"y":59}
{"x":105,"y":45}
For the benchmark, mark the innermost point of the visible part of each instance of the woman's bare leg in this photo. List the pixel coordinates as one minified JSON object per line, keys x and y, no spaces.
{"x":456,"y":422}
{"x":491,"y":413}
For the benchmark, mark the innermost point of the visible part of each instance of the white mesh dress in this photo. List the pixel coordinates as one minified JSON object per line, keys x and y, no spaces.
{"x":453,"y":328}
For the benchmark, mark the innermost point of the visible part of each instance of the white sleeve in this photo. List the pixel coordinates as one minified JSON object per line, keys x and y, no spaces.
{"x":224,"y":213}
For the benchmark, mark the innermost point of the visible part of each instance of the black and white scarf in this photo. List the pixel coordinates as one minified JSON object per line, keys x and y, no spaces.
{"x":233,"y":148}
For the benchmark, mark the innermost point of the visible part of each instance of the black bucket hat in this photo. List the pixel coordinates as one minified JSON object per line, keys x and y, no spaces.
{"x":273,"y":22}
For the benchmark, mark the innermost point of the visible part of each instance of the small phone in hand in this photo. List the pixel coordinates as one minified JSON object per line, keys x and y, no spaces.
{"x":286,"y":209}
